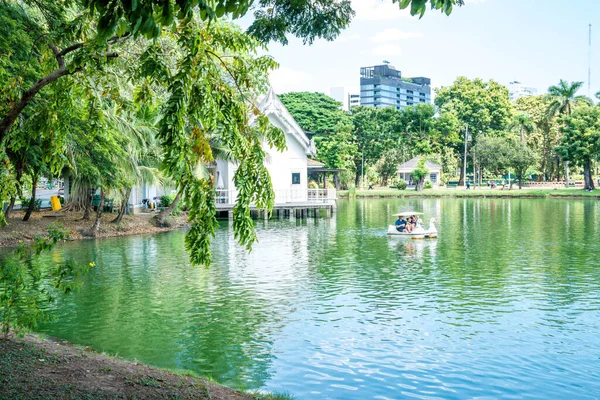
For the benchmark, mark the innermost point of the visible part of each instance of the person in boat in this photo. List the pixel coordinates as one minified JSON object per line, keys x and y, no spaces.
{"x":409,"y":225}
{"x":400,"y":224}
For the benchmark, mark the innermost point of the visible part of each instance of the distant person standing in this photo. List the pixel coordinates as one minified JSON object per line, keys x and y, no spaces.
{"x":468,"y":185}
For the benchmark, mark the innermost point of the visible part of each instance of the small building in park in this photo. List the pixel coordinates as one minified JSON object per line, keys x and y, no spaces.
{"x":405,"y":170}
{"x":288,"y":169}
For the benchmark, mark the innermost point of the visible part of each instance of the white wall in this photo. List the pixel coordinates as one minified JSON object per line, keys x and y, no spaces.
{"x":281,"y":165}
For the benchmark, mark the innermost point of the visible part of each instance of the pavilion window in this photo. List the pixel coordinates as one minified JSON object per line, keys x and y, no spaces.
{"x":295,"y":178}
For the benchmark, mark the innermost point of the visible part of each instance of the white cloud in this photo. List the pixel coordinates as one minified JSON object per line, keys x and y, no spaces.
{"x":387,"y":50}
{"x":393,"y":34}
{"x":286,"y":80}
{"x":377,"y":10}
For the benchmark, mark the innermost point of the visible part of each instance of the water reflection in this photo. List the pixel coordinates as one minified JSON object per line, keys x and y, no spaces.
{"x":504,"y":303}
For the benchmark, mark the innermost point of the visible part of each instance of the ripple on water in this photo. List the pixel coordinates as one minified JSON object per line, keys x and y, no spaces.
{"x":502,"y":304}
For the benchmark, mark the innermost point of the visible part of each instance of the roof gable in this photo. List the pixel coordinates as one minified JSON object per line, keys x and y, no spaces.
{"x":411,"y":165}
{"x":270,"y":105}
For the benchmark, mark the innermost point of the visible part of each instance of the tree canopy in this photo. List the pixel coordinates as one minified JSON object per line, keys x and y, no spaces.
{"x":580,"y":142}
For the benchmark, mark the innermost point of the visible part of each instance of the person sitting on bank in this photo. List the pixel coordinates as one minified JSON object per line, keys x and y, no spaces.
{"x":400,"y":224}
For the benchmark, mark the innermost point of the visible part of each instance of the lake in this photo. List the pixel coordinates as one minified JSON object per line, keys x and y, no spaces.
{"x":505,"y":303}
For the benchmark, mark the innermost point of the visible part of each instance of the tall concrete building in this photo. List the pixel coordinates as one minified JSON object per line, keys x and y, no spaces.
{"x":353,"y":100}
{"x":340,"y":94}
{"x":517,"y":90}
{"x":383,"y":86}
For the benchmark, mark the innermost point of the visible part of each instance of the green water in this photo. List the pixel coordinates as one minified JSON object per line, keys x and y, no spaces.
{"x":505,"y":303}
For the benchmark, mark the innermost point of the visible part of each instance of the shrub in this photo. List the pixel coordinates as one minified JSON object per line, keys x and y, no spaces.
{"x":427,"y":185}
{"x":313,"y":185}
{"x":402,"y":184}
{"x":166,"y":200}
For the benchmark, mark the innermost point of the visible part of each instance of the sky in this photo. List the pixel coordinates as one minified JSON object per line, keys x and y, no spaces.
{"x":536,"y":42}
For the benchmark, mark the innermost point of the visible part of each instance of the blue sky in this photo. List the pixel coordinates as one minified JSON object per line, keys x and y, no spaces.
{"x":536,"y":42}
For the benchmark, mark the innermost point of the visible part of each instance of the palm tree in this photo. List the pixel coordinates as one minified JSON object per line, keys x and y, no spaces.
{"x":563,"y":96}
{"x":523,"y":123}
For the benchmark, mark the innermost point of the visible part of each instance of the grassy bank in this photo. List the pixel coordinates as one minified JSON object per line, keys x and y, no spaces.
{"x":460,"y":193}
{"x":18,"y":231}
{"x":35,"y":368}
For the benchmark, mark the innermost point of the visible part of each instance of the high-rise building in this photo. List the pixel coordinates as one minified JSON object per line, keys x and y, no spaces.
{"x":517,"y":90}
{"x":383,"y":86}
{"x":353,"y":100}
{"x":339,"y":93}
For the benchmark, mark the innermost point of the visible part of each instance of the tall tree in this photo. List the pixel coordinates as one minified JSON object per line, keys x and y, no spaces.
{"x":315,"y":112}
{"x":544,"y":138}
{"x":483,"y":107}
{"x":523,"y":124}
{"x":563,"y":96}
{"x":580,"y":142}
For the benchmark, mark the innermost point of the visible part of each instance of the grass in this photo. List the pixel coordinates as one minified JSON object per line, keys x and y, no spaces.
{"x":36,"y":368}
{"x":459,"y":192}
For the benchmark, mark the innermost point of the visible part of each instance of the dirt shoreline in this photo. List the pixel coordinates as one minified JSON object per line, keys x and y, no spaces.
{"x":35,"y":368}
{"x":18,"y":231}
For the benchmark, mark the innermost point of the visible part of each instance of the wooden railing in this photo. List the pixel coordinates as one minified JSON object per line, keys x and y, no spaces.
{"x":228,"y":196}
{"x":321,"y":195}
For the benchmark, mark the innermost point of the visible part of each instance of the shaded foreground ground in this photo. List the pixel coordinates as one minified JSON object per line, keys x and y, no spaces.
{"x":460,"y":192}
{"x":32,"y":368}
{"x":18,"y":231}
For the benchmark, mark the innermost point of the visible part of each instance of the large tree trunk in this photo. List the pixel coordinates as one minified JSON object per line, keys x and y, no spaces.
{"x":587,"y":175}
{"x":161,"y":218}
{"x":32,"y":201}
{"x":566,"y":174}
{"x":522,"y":135}
{"x":419,"y":184}
{"x":123,"y":207}
{"x":461,"y":180}
{"x":96,"y":226}
{"x":86,"y":212}
{"x":10,"y":207}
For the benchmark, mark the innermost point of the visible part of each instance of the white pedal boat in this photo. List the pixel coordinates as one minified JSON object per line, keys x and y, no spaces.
{"x":419,"y":232}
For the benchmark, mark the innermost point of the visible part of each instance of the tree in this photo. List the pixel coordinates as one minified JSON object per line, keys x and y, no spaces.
{"x":332,"y":127}
{"x":375,"y":130}
{"x":500,"y":153}
{"x":523,"y":124}
{"x":580,"y":142}
{"x":564,"y":96}
{"x":545,"y":137}
{"x":387,"y":165}
{"x":521,"y":159}
{"x":338,"y":149}
{"x":482,"y":106}
{"x":419,"y":174}
{"x":315,"y":112}
{"x":274,"y":20}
